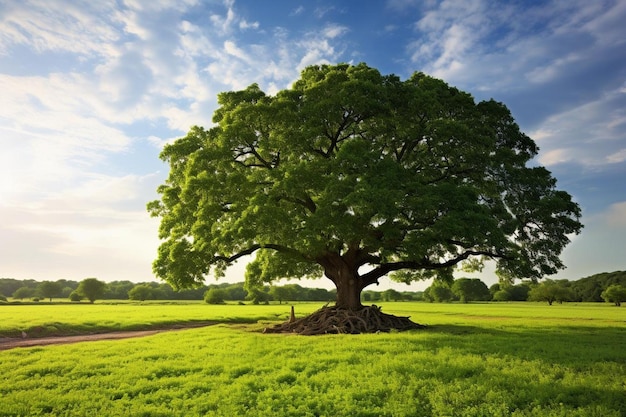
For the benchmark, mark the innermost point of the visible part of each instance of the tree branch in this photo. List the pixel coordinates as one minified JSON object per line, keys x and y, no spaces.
{"x":254,"y":248}
{"x":373,"y":276}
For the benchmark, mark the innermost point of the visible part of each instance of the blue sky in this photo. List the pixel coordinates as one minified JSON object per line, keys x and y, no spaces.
{"x":91,"y":91}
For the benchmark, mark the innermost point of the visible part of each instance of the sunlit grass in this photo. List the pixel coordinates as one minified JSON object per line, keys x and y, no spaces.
{"x":472,"y":360}
{"x":51,"y":320}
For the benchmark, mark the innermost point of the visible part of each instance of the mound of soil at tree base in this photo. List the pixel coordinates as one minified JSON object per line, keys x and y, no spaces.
{"x":329,"y":320}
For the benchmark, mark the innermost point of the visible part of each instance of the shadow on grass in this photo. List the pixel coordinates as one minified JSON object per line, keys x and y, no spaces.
{"x":554,"y":357}
{"x":564,"y":345}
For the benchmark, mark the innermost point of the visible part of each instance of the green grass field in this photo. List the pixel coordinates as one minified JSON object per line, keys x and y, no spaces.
{"x":473,"y":360}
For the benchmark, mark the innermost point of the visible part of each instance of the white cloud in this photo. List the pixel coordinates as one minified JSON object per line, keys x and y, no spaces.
{"x":57,"y":26}
{"x":617,"y":157}
{"x":244,"y":24}
{"x":334,"y":31}
{"x":320,"y":12}
{"x":591,"y":134}
{"x":298,"y":11}
{"x":231,"y":49}
{"x":224,"y":24}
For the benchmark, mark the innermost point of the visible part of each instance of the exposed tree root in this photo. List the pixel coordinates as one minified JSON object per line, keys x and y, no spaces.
{"x":339,"y":320}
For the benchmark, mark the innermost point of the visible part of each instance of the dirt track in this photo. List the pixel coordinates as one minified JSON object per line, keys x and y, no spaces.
{"x":11,"y":343}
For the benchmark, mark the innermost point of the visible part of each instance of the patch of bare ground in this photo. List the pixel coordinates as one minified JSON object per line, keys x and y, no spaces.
{"x":26,"y":341}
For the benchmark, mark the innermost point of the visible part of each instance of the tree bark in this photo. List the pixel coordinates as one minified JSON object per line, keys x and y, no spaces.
{"x":344,"y":274}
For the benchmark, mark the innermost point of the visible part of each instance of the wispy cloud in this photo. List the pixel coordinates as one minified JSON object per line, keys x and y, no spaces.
{"x":142,"y":64}
{"x":57,"y":26}
{"x":590,"y":135}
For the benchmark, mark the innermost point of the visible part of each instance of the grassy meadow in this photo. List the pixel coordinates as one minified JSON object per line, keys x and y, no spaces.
{"x":509,"y":359}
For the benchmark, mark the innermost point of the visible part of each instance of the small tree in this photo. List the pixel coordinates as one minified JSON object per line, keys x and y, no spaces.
{"x":440,"y":293}
{"x":471,"y":289}
{"x":614,"y":294}
{"x":23,"y":292}
{"x":391,"y":295}
{"x":214,"y":296}
{"x":550,"y":291}
{"x":507,"y":292}
{"x":142,"y":292}
{"x":49,"y":289}
{"x":75,"y":296}
{"x":91,"y":289}
{"x":281,"y":293}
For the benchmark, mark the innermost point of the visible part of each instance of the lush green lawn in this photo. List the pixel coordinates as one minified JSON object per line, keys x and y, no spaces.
{"x":50,"y":320}
{"x":473,"y":360}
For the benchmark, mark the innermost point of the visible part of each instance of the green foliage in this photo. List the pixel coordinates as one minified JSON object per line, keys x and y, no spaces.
{"x":551,"y":291}
{"x":8,"y":286}
{"x":615,"y":294}
{"x":91,"y":289}
{"x":214,"y":296}
{"x":590,"y":288}
{"x":471,"y":289}
{"x":23,"y":292}
{"x":391,"y":295}
{"x":143,"y":292}
{"x":49,"y":289}
{"x":351,"y":168}
{"x":479,"y":360}
{"x":508,"y":292}
{"x":75,"y":296}
{"x":439,"y":292}
{"x":282,"y":293}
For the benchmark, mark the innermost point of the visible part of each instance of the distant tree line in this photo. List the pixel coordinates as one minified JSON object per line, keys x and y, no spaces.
{"x":91,"y":289}
{"x":607,"y":286}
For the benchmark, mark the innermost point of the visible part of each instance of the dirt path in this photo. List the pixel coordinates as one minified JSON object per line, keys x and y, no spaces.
{"x":11,"y":343}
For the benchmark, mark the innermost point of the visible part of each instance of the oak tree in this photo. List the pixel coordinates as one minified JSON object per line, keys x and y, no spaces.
{"x":354,"y":175}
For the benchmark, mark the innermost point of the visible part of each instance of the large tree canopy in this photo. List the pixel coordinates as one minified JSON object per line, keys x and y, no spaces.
{"x":356,"y":175}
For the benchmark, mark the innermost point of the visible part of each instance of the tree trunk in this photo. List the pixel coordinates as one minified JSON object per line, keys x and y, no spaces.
{"x":349,"y":293}
{"x":346,"y":278}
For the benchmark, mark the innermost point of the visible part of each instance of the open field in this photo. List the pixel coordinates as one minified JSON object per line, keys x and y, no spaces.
{"x":473,"y":360}
{"x":60,"y":319}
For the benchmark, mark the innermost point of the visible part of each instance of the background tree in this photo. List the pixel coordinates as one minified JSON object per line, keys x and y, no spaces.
{"x":391,"y":295}
{"x":354,"y":176}
{"x":214,"y":296}
{"x":281,"y":293}
{"x":614,"y":294}
{"x":590,"y":288}
{"x":23,"y":292}
{"x":91,"y":289}
{"x":75,"y":296}
{"x":551,"y":291}
{"x":508,"y":292}
{"x":470,"y":289}
{"x":8,"y":286}
{"x":142,"y":292}
{"x":439,"y":292}
{"x":259,"y":295}
{"x":118,"y":290}
{"x":49,"y":289}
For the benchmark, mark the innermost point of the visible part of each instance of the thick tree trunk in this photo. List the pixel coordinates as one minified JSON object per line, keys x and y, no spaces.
{"x":346,"y":278}
{"x":349,"y":293}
